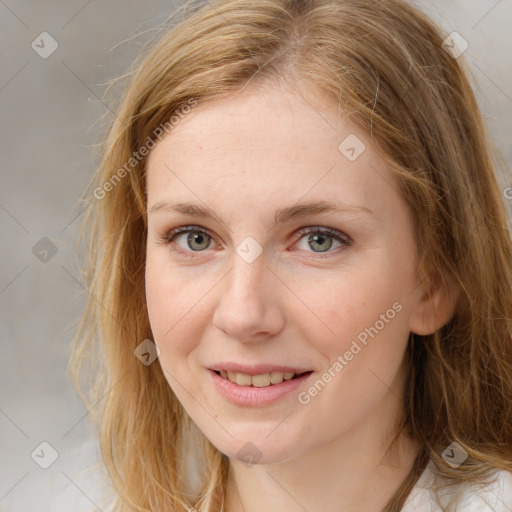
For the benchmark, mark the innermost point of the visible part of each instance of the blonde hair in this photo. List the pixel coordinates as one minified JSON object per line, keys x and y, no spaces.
{"x":383,"y":63}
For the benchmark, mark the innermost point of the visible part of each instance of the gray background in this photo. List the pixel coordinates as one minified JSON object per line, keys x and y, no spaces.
{"x":51,"y":116}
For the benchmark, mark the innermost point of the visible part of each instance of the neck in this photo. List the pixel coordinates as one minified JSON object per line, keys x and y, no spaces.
{"x":353,"y":472}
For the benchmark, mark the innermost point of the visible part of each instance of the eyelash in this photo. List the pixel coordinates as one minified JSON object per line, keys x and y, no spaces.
{"x":169,"y":237}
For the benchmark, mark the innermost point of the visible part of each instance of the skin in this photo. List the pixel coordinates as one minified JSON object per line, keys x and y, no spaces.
{"x":244,"y":157}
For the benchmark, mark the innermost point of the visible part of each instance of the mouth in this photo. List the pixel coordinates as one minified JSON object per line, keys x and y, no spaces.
{"x":262,"y":385}
{"x":261,"y":380}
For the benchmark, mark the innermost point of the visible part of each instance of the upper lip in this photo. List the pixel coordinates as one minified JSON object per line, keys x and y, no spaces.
{"x":257,"y":369}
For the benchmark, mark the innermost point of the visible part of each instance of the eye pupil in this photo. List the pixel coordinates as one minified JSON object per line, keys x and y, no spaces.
{"x":197,"y":237}
{"x":320,"y":239}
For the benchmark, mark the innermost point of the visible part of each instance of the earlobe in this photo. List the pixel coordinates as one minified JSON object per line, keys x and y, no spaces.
{"x":435,"y":307}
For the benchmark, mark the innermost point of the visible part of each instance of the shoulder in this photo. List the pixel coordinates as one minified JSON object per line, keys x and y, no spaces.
{"x":495,"y":497}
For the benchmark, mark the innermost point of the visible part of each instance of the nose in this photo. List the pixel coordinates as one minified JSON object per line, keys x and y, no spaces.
{"x":249,"y":309}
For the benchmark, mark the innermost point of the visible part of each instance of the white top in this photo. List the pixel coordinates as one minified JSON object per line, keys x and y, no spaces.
{"x":90,"y":491}
{"x":496,"y":497}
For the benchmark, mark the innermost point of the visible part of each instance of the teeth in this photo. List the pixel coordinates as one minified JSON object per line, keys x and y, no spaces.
{"x":277,"y":377}
{"x":259,"y":381}
{"x":242,"y":379}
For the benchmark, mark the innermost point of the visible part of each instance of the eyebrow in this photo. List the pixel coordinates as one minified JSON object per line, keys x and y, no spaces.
{"x":280,"y":216}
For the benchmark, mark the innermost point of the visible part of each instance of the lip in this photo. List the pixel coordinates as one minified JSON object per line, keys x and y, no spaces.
{"x":258,"y":369}
{"x":251,"y":396}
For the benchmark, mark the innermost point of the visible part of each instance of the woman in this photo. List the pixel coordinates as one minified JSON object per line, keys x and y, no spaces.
{"x":375,"y":376}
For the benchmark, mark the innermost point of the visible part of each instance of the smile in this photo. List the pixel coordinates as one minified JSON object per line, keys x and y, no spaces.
{"x":259,"y":381}
{"x":258,"y":390}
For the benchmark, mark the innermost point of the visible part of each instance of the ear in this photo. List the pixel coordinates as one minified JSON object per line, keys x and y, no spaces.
{"x":435,"y":307}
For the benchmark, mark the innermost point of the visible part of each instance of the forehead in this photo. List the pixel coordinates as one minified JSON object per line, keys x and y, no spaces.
{"x":271,"y":146}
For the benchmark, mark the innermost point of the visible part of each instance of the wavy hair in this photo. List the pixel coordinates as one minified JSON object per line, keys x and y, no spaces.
{"x":383,"y":63}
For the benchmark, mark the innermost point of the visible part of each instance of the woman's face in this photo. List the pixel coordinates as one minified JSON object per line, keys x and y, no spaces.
{"x":272,"y":281}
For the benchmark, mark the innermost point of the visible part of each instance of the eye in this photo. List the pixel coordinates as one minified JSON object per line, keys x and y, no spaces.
{"x":321,"y":239}
{"x":194,"y":239}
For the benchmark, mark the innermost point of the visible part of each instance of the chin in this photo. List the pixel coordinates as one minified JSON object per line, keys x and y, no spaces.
{"x":257,"y":450}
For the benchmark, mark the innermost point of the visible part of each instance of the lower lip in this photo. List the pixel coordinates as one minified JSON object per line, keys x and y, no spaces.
{"x":251,"y":396}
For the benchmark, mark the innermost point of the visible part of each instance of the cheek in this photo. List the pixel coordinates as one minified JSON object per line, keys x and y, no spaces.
{"x":363,"y":357}
{"x":343,"y":305}
{"x":158,"y":300}
{"x":170,"y":303}
{"x":365,"y":342}
{"x":170,"y":315}
{"x":169,"y":294}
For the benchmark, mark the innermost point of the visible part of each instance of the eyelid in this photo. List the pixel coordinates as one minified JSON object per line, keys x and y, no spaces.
{"x":171,"y":234}
{"x":335,"y":233}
